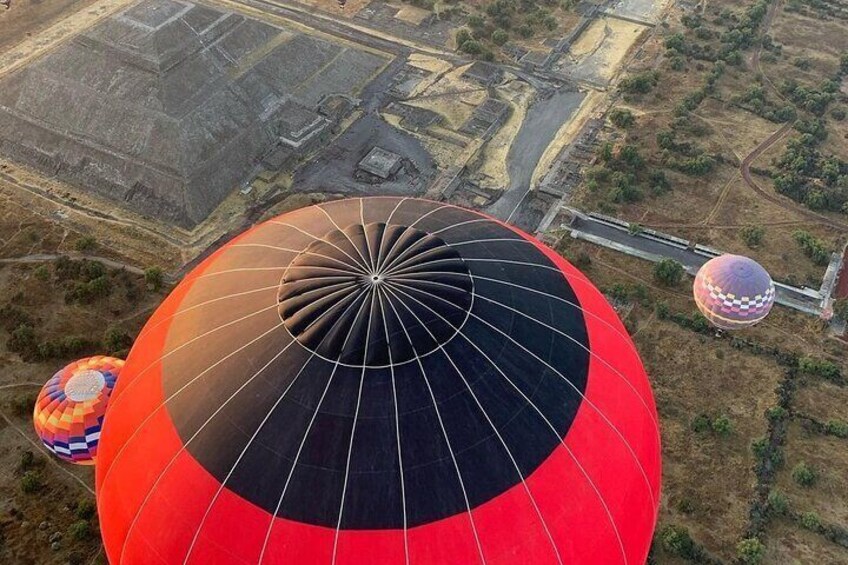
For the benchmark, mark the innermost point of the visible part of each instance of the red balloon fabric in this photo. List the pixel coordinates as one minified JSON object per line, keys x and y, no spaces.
{"x":381,"y":380}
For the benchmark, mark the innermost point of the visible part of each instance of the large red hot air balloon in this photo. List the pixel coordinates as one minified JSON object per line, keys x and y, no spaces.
{"x":383,"y":380}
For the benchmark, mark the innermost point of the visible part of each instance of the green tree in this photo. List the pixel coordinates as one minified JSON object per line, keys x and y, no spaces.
{"x":499,"y":37}
{"x":86,"y":509}
{"x":777,"y":502}
{"x":668,"y":272}
{"x":804,"y":475}
{"x":810,"y":521}
{"x":640,"y":83}
{"x":722,"y":425}
{"x":622,"y":118}
{"x":701,"y":423}
{"x":840,"y":308}
{"x":42,"y":273}
{"x":753,"y":235}
{"x":750,"y":551}
{"x":85,"y":244}
{"x":677,"y":541}
{"x":80,"y":530}
{"x":154,"y":277}
{"x":472,"y":47}
{"x":31,"y":482}
{"x":116,"y":340}
{"x":838,"y":428}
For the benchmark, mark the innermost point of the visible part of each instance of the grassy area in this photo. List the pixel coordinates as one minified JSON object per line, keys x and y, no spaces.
{"x":51,"y":314}
{"x":738,"y":413}
{"x":708,"y":91}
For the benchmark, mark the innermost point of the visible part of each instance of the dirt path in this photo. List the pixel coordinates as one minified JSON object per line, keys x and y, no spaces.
{"x":49,"y":257}
{"x":745,"y":169}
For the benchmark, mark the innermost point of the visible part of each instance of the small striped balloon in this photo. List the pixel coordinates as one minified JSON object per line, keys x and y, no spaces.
{"x":70,"y":407}
{"x":733,"y":292}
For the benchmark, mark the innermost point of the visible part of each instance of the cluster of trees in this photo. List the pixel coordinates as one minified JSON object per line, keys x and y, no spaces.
{"x":622,"y":175}
{"x":84,"y":282}
{"x":639,"y":83}
{"x":820,"y":368}
{"x":755,"y":100}
{"x":740,"y":34}
{"x":813,"y":100}
{"x":805,"y":175}
{"x":622,"y":118}
{"x":720,"y":425}
{"x":813,"y":247}
{"x":820,"y":182}
{"x":503,"y":19}
{"x":25,"y":340}
{"x":686,"y":157}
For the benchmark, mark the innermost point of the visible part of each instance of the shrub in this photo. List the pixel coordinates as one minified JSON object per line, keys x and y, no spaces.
{"x":80,"y":530}
{"x":813,"y":248}
{"x":837,"y":428}
{"x":820,"y":368}
{"x":499,"y":37}
{"x":31,"y":482}
{"x":722,"y":426}
{"x":776,"y":413}
{"x":752,"y":235}
{"x":810,"y":520}
{"x":116,"y":339}
{"x":42,"y":273}
{"x":86,"y":509}
{"x":668,"y":272}
{"x":804,"y":475}
{"x":677,"y":541}
{"x":750,"y":551}
{"x":29,"y":460}
{"x":701,"y":423}
{"x":777,"y":502}
{"x":85,"y":244}
{"x":154,"y":277}
{"x":640,"y":83}
{"x":23,"y":341}
{"x":760,"y":446}
{"x":622,"y":118}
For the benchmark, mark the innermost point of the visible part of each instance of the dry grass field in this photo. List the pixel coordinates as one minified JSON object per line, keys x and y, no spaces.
{"x":710,"y":478}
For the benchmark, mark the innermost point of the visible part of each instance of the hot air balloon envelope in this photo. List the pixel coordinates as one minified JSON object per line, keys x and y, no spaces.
{"x":69,"y":410}
{"x":381,"y":380}
{"x":733,"y":291}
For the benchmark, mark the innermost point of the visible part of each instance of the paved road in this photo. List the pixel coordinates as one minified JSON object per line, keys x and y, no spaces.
{"x":544,"y":119}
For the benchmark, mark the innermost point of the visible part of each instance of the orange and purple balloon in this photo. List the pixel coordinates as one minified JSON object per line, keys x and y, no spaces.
{"x":70,"y":407}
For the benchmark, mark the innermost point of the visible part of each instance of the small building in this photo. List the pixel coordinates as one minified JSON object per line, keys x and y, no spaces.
{"x":337,"y":107}
{"x":535,"y":60}
{"x":484,"y":73}
{"x":297,"y":125}
{"x":380,"y":163}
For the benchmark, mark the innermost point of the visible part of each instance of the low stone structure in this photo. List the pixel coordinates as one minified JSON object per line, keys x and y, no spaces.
{"x":380,"y":163}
